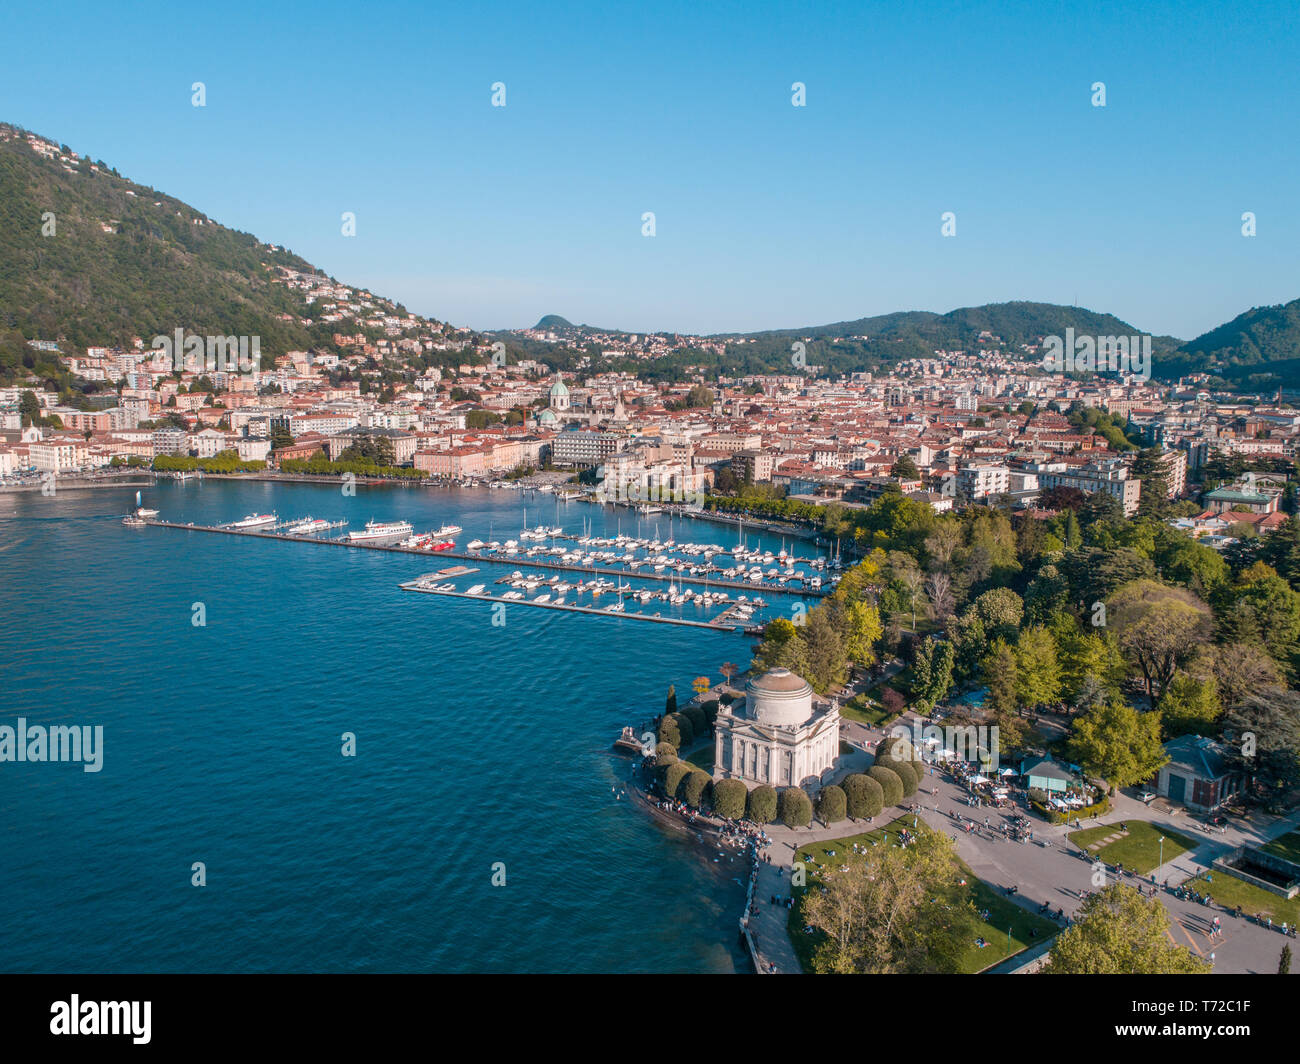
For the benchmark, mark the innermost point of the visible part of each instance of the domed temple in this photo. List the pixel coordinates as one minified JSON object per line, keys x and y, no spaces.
{"x":776,"y":735}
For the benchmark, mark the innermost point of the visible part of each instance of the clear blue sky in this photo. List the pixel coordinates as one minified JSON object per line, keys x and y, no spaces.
{"x":767,"y":215}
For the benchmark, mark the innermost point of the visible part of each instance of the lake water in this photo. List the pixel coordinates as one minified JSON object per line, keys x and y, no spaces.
{"x":477,"y":746}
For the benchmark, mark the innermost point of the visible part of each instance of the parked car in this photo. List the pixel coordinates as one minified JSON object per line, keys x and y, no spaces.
{"x":1146,"y":796}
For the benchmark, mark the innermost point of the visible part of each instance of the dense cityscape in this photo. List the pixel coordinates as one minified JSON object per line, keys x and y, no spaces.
{"x":354,"y":624}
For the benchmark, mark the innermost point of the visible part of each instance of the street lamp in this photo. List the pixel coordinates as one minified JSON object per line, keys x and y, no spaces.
{"x":1162,"y":849}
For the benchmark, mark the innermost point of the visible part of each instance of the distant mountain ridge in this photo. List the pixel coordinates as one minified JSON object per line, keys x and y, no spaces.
{"x":97,"y":259}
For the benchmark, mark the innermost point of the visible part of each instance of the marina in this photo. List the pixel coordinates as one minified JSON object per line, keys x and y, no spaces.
{"x":478,"y":593}
{"x":274,"y":529}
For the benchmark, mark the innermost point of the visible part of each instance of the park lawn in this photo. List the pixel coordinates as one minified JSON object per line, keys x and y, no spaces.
{"x":1287,"y":847}
{"x":864,"y":709}
{"x":1138,"y":850}
{"x":1229,"y":891}
{"x":1003,"y":913}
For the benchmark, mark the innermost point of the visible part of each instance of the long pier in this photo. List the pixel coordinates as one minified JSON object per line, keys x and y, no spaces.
{"x":603,"y":611}
{"x":481,"y":558}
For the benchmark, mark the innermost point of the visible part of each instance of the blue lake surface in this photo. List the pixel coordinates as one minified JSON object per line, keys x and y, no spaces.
{"x":476,"y":744}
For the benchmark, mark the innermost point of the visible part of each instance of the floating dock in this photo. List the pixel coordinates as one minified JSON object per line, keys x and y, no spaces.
{"x":514,"y":560}
{"x":602,"y":611}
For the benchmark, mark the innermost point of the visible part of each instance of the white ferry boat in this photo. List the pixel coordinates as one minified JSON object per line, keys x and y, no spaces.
{"x":447,"y":531}
{"x":382,"y":532}
{"x":253,"y":521}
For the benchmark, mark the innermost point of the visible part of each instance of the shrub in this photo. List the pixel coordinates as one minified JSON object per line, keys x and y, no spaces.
{"x":761,"y":804}
{"x":699,"y":723}
{"x":1056,"y":816}
{"x":693,"y":787}
{"x":685,"y":729}
{"x":673,"y":776}
{"x":796,"y":808}
{"x":665,"y":754}
{"x":726,"y":699}
{"x":906,"y":776}
{"x":864,"y":796}
{"x":710,"y":710}
{"x":729,"y":798}
{"x":890,"y":785}
{"x":832,"y":804}
{"x":669,"y":732}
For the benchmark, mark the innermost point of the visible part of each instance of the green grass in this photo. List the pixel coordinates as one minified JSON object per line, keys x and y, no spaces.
{"x":1138,"y":850}
{"x":864,"y":709}
{"x":1002,"y":912}
{"x":1229,"y":891}
{"x":1287,"y":847}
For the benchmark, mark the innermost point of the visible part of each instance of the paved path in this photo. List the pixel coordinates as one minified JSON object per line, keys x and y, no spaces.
{"x":1049,"y":870}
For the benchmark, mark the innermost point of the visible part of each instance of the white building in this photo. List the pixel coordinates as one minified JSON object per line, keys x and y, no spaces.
{"x":775,"y":735}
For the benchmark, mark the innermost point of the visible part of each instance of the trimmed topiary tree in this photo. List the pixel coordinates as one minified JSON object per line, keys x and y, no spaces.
{"x":670,"y":733}
{"x":685,"y":729}
{"x":796,"y":808}
{"x":761,"y":805}
{"x":665,"y":754}
{"x":832,"y":804}
{"x":673,"y":776}
{"x":694,"y":786}
{"x":906,"y":775}
{"x":699,"y":723}
{"x":729,"y":799}
{"x":670,"y":707}
{"x":890,"y":785}
{"x":710,"y":710}
{"x":864,"y":796}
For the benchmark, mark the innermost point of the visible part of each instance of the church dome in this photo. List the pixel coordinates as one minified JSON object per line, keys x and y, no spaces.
{"x":779,"y":697}
{"x":559,"y":390}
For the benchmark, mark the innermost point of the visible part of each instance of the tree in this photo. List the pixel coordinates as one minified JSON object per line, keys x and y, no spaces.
{"x":694,"y":786}
{"x":906,"y":776}
{"x":863,"y":632}
{"x":898,"y":909}
{"x":761,"y":804}
{"x":1238,"y":669}
{"x":1119,"y":744}
{"x":1267,"y":728}
{"x":729,"y":799}
{"x":1284,"y":961}
{"x":674,"y":773}
{"x":1190,"y":706}
{"x":832,"y":804}
{"x":671,"y":706}
{"x":864,"y":796}
{"x":1038,"y":673}
{"x":890,"y":785}
{"x":1158,"y":628}
{"x":938,"y":589}
{"x":796,"y":808}
{"x":904,"y":468}
{"x":1117,"y":931}
{"x":825,"y":652}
